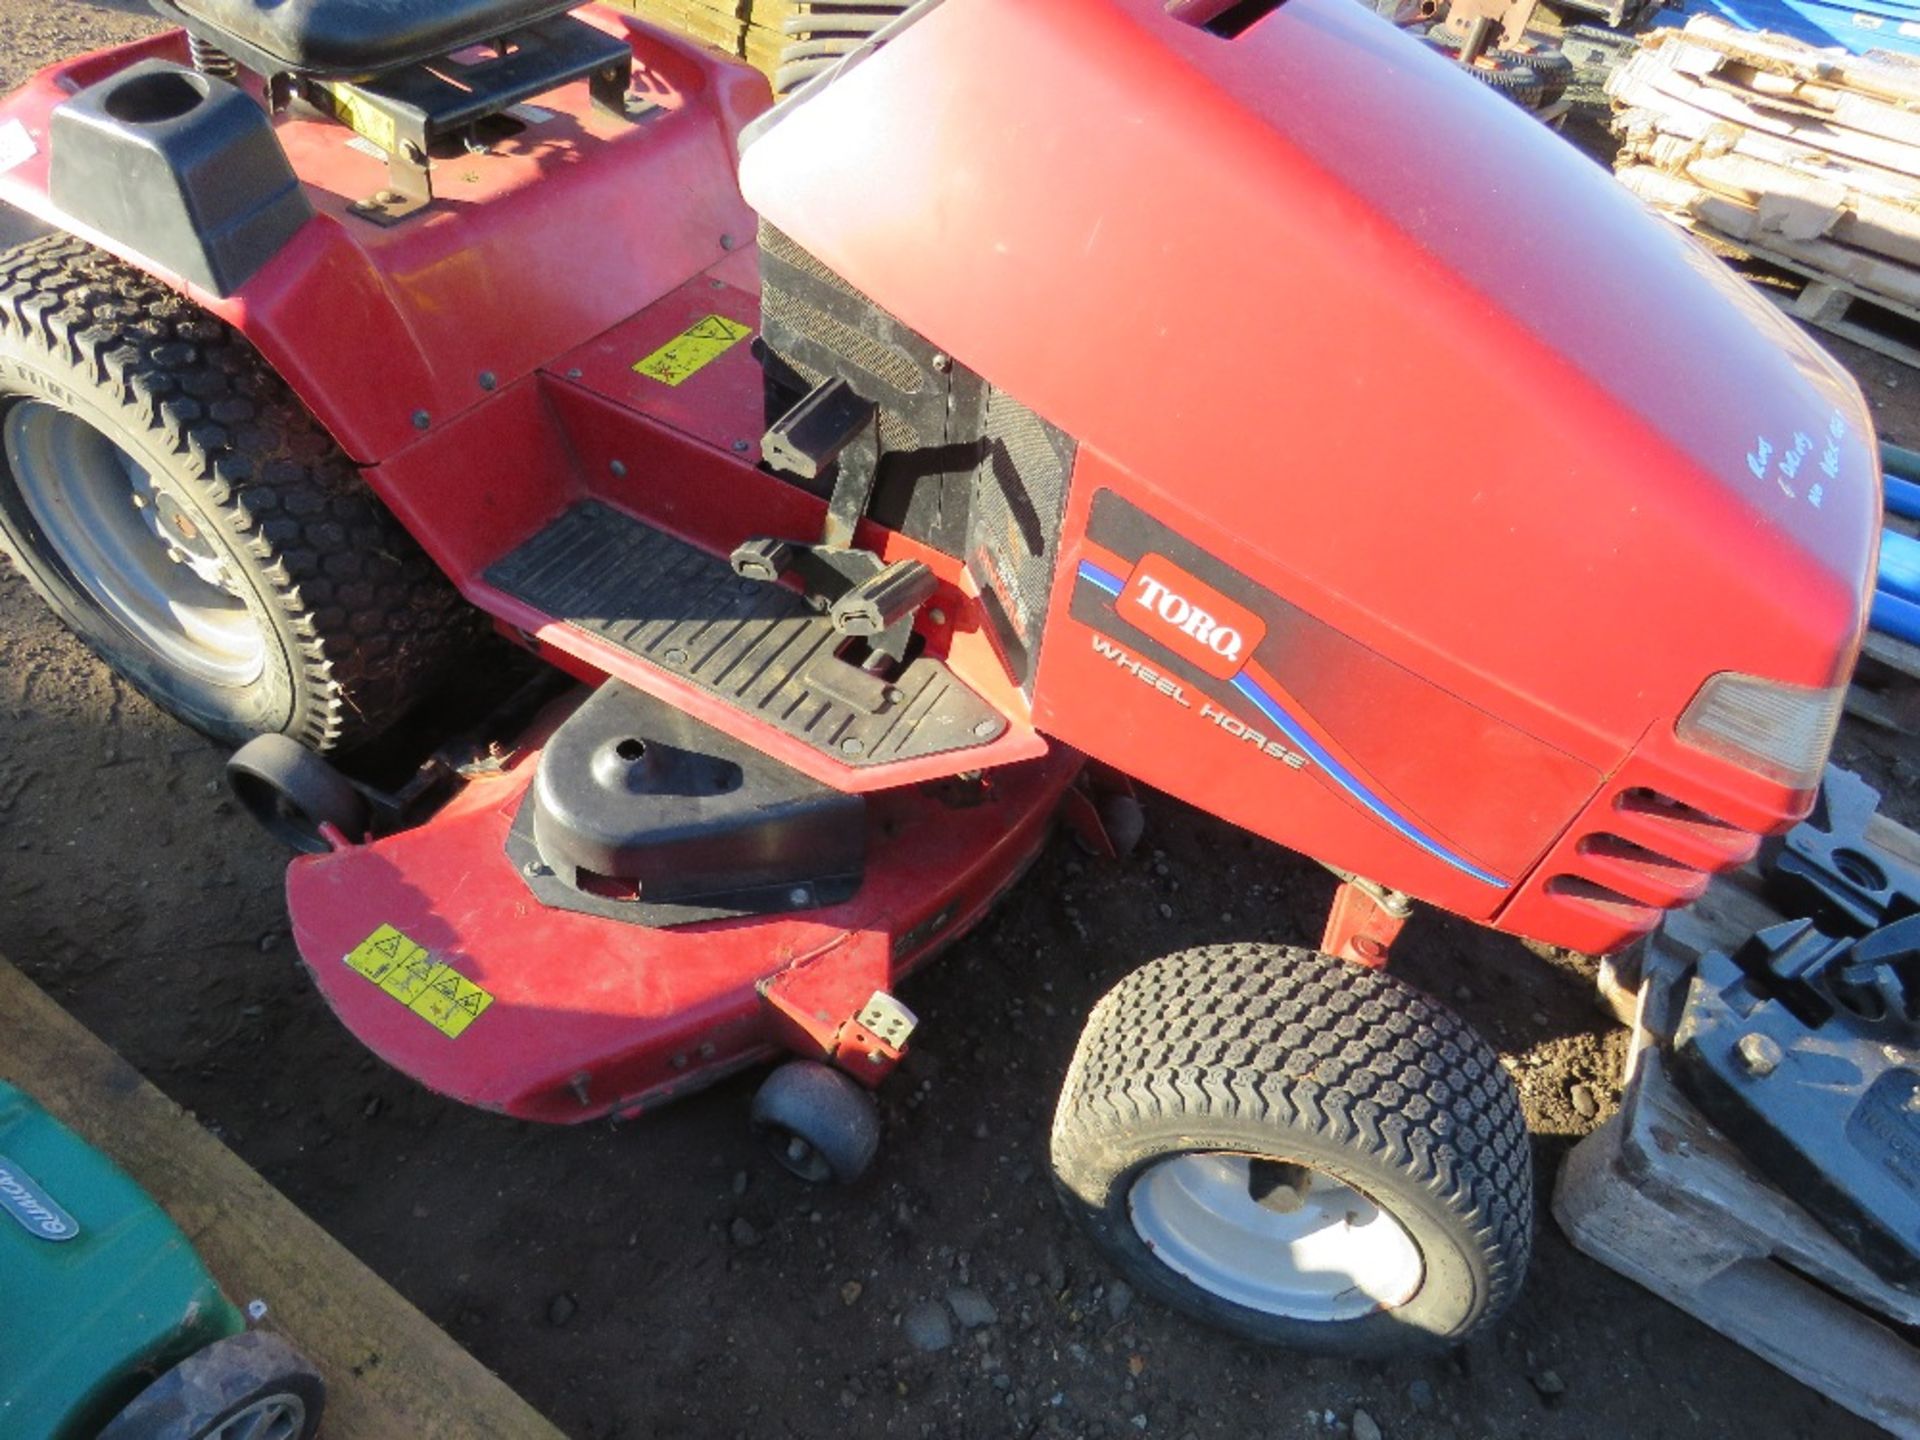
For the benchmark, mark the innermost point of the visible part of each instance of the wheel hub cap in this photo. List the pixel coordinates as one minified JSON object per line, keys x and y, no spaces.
{"x":278,"y":1417}
{"x":1282,"y":1239}
{"x":131,"y":546}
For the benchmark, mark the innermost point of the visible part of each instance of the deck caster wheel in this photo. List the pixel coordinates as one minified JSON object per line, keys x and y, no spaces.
{"x":1299,"y":1151}
{"x":292,"y":792}
{"x":819,"y":1123}
{"x":246,"y":1387}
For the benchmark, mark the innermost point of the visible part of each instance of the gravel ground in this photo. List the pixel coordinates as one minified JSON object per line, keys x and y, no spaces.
{"x":662,"y":1279}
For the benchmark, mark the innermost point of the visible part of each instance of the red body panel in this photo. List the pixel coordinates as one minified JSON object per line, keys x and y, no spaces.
{"x":488,"y":386}
{"x":1388,"y":349}
{"x":588,"y":1015}
{"x":1422,"y":480}
{"x":375,"y":326}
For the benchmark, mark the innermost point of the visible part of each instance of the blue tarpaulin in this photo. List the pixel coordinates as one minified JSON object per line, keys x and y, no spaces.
{"x":1868,"y":25}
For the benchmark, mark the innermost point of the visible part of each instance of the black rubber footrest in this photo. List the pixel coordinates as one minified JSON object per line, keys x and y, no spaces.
{"x":756,"y":646}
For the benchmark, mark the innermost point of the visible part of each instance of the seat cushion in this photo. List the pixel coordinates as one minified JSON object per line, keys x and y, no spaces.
{"x":356,"y":38}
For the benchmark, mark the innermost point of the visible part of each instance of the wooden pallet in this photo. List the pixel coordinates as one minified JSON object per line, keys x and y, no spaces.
{"x":1806,"y":160}
{"x":1875,"y":321}
{"x":1886,"y":685}
{"x":391,"y":1373}
{"x":1878,"y":322}
{"x":1662,"y":1197}
{"x":749,"y":30}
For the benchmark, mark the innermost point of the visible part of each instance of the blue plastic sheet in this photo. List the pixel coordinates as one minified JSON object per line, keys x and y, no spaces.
{"x":1903,"y":497}
{"x":1867,"y":25}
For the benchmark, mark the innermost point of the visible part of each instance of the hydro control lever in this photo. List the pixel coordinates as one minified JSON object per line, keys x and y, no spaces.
{"x":882,"y":601}
{"x":862,"y":595}
{"x":811,"y":436}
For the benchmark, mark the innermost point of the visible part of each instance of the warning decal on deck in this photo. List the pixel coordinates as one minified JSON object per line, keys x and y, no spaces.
{"x":695,"y":348}
{"x":437,"y":993}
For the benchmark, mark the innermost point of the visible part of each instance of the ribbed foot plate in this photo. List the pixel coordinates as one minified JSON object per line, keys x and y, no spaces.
{"x":758,"y":647}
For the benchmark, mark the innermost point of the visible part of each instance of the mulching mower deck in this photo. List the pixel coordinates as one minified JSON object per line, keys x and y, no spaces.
{"x":1229,"y":395}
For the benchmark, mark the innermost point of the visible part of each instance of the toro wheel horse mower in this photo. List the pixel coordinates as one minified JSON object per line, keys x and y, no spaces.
{"x":1234,"y":395}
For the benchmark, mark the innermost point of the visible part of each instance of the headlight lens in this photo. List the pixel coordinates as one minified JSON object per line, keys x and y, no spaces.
{"x":1783,"y":732}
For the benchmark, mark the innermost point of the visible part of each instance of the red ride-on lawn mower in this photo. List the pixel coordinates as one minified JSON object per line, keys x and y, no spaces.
{"x":1234,"y":395}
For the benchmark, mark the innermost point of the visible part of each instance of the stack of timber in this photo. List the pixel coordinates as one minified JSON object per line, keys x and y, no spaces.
{"x":786,"y":40}
{"x":745,"y":29}
{"x":1805,"y":160}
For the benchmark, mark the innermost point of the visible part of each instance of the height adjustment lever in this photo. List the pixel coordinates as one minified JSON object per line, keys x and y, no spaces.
{"x":810,"y":437}
{"x":835,"y":429}
{"x":884,"y":599}
{"x":764,"y":560}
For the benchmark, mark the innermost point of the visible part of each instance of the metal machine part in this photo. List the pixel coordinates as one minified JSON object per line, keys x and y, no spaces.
{"x":816,"y":330}
{"x":1660,"y":1196}
{"x":444,"y":106}
{"x":952,"y":461}
{"x":1831,"y":868}
{"x":640,"y":812}
{"x":1306,"y":1246}
{"x":1805,"y":1051}
{"x":129,"y":543}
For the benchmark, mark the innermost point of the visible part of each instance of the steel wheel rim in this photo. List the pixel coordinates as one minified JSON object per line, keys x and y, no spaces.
{"x":172,"y":589}
{"x":278,"y":1417}
{"x":799,"y":1155}
{"x":1334,"y":1256}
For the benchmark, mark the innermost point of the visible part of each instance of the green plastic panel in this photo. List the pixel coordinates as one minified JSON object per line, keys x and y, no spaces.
{"x":101,"y":1290}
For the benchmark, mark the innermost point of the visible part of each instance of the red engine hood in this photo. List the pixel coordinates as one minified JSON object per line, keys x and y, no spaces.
{"x":1369,"y":331}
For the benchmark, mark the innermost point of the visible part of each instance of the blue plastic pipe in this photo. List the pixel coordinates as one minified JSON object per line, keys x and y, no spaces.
{"x":1896,"y":601}
{"x":1903,"y":497}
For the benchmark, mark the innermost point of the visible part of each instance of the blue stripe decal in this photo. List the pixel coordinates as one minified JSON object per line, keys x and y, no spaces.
{"x":1298,"y":737}
{"x":1341,"y":776}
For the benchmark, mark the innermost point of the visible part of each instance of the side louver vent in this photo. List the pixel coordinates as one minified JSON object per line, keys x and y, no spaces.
{"x":1228,"y":19}
{"x":1657,"y":854}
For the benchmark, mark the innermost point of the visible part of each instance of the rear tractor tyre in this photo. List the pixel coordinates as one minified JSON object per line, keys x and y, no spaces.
{"x":178,"y":508}
{"x":1298,"y":1151}
{"x":817,"y":1122}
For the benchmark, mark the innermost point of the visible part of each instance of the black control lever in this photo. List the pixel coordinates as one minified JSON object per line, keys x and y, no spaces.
{"x":809,"y":438}
{"x":882,"y":601}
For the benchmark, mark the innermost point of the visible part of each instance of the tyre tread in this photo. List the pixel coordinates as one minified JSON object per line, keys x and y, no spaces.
{"x":372,"y":618}
{"x":1295,"y":1040}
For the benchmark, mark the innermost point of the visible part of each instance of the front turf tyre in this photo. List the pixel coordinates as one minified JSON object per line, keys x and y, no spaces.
{"x":179,"y":509}
{"x":251,"y":1386}
{"x":1299,"y":1151}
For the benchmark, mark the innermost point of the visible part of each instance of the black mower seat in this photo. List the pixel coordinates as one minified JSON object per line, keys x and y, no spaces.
{"x":355,"y":38}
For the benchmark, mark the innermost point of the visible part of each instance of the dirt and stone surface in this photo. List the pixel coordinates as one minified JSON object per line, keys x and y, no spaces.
{"x":662,"y":1278}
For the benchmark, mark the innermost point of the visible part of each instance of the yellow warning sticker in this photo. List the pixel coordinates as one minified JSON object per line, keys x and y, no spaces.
{"x":364,"y":117}
{"x":436,"y":992}
{"x":695,"y":348}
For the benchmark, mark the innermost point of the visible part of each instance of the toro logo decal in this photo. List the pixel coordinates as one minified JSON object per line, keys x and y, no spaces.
{"x":1190,"y":617}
